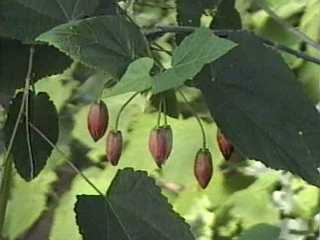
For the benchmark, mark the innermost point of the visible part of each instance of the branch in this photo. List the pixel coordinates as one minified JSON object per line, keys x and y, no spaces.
{"x":6,"y":178}
{"x":287,"y":26}
{"x":225,"y":33}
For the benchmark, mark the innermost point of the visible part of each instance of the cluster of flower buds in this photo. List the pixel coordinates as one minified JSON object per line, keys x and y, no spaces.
{"x":160,"y":144}
{"x":98,"y":119}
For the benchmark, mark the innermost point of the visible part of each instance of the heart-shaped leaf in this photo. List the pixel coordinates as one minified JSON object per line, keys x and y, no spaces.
{"x":107,"y":43}
{"x":24,"y":20}
{"x":196,"y":50}
{"x":43,"y":115}
{"x":259,"y":105}
{"x":133,"y":209}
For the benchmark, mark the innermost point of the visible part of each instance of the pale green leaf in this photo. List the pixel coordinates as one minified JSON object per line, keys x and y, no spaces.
{"x":196,"y":50}
{"x":136,"y":79}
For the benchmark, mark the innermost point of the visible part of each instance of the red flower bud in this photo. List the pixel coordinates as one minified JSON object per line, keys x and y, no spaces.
{"x":114,"y":146}
{"x":98,"y":118}
{"x":225,"y":146}
{"x":203,"y":168}
{"x":160,"y":144}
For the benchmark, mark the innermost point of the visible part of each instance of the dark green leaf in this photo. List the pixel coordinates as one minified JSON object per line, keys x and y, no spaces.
{"x":227,"y":16}
{"x":106,"y":43}
{"x":261,"y":108}
{"x":14,"y":62}
{"x":188,"y":14}
{"x":196,"y":50}
{"x":95,"y":219}
{"x":24,"y":20}
{"x":43,"y":115}
{"x":134,"y":209}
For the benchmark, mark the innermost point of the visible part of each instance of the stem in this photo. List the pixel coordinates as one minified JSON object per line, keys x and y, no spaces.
{"x":159,"y":113}
{"x":123,"y":107}
{"x":41,"y":134}
{"x":225,"y":33}
{"x":204,"y":139}
{"x":160,"y":48}
{"x":6,"y":179}
{"x":28,"y":80}
{"x":78,"y":171}
{"x":164,"y":102}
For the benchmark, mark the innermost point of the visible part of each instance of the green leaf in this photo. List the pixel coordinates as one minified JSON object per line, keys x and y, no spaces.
{"x":24,"y":20}
{"x":261,"y":108}
{"x":148,"y":216}
{"x":14,"y":62}
{"x":136,"y":79}
{"x":95,"y":218}
{"x":261,"y":232}
{"x":106,"y":43}
{"x":43,"y":115}
{"x":196,"y":50}
{"x":27,"y":202}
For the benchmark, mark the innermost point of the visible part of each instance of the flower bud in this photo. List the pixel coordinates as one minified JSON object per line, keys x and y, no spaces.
{"x":160,"y":144}
{"x":114,"y":146}
{"x":203,"y":168}
{"x":98,"y":118}
{"x":226,"y":148}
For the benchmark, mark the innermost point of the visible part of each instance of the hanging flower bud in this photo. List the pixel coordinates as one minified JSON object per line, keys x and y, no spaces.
{"x":160,"y":144}
{"x":98,"y":118}
{"x":203,"y":168}
{"x":225,"y":146}
{"x":114,"y":146}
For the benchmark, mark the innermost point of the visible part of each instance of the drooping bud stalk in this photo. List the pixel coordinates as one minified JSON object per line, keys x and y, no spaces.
{"x":114,"y":146}
{"x":98,"y":118}
{"x":225,"y":146}
{"x":160,"y":144}
{"x":203,"y":168}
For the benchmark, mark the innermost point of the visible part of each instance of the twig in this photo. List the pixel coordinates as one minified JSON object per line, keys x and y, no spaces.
{"x":6,"y":178}
{"x":287,"y":26}
{"x":28,"y":81}
{"x":158,"y":47}
{"x":225,"y":33}
{"x":122,"y":108}
{"x":74,"y":168}
{"x":203,"y":132}
{"x":78,"y":171}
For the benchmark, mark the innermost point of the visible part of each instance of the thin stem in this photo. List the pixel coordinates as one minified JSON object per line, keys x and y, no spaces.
{"x":159,"y":113}
{"x":287,"y":26}
{"x":123,"y":107}
{"x":6,"y":178}
{"x":204,"y":139}
{"x":225,"y":33}
{"x":160,"y":48}
{"x":41,"y":134}
{"x":165,"y":110}
{"x":78,"y":171}
{"x":28,"y":81}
